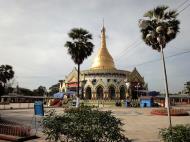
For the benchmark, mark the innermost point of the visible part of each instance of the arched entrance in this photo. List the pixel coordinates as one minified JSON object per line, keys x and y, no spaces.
{"x":88,"y":93}
{"x":122,"y":93}
{"x":111,"y":92}
{"x":99,"y":92}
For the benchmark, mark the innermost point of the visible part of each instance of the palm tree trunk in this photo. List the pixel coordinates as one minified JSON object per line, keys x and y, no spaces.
{"x":78,"y":81}
{"x":167,"y":99}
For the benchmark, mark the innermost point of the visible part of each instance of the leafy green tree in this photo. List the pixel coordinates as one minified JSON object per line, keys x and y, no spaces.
{"x":187,"y":88}
{"x":158,"y":28}
{"x":80,"y":47}
{"x":40,"y":91}
{"x":8,"y":90}
{"x":83,"y":124}
{"x":53,"y":89}
{"x":25,"y":92}
{"x":6,"y":73}
{"x":178,"y":133}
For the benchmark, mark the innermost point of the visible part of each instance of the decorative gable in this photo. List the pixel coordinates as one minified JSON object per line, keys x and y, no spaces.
{"x":72,"y":77}
{"x":134,"y":76}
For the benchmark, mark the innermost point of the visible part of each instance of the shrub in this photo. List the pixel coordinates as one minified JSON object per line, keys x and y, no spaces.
{"x":178,"y":133}
{"x":83,"y":124}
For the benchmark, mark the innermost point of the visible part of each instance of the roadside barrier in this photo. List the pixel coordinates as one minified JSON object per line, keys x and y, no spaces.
{"x":14,"y":129}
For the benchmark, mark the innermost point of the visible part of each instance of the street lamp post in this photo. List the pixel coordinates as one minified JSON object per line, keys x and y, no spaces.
{"x":137,"y":86}
{"x":82,"y":88}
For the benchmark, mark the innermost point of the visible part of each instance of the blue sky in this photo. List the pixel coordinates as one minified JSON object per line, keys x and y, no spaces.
{"x":33,"y":34}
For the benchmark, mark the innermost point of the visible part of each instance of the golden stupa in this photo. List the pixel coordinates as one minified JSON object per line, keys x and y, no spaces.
{"x":103,"y":60}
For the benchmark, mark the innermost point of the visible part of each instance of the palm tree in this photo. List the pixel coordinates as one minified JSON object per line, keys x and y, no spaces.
{"x":159,"y":27}
{"x":6,"y":73}
{"x":80,"y":47}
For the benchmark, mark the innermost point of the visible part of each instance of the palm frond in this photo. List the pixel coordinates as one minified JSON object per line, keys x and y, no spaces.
{"x":80,"y":46}
{"x":174,"y":24}
{"x":173,"y":14}
{"x":149,"y":14}
{"x":161,"y":23}
{"x":170,"y":15}
{"x":158,"y":12}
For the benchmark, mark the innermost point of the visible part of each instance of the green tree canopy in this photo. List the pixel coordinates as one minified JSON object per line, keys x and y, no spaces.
{"x":159,"y":22}
{"x":25,"y":91}
{"x":6,"y":73}
{"x":53,"y":89}
{"x":80,"y":46}
{"x":40,"y":91}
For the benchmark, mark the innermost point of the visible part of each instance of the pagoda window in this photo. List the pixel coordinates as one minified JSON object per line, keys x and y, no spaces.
{"x":88,"y":93}
{"x":99,"y":92}
{"x":111,"y":91}
{"x":122,"y":93}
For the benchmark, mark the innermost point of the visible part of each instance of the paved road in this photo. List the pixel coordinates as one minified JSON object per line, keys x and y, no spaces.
{"x":139,"y":124}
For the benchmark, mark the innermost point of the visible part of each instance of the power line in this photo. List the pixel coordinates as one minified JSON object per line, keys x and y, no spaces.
{"x":155,"y":60}
{"x":128,"y":47}
{"x":134,"y":44}
{"x":182,"y":4}
{"x":130,"y":53}
{"x":174,"y":54}
{"x":123,"y":52}
{"x":184,"y":8}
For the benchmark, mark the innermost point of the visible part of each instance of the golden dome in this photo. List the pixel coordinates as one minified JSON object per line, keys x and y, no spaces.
{"x":104,"y":60}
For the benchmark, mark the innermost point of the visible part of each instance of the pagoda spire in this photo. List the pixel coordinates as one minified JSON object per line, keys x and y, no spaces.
{"x":103,"y":36}
{"x":103,"y":60}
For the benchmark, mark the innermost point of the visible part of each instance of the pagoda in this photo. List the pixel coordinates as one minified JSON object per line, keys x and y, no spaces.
{"x":103,"y":80}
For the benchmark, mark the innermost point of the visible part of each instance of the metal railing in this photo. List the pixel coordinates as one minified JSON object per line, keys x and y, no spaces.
{"x":14,"y":129}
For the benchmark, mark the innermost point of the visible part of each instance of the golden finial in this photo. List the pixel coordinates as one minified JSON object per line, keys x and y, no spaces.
{"x":103,"y":60}
{"x":103,"y":27}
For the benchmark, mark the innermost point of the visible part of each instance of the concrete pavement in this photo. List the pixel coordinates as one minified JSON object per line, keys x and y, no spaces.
{"x":139,"y":124}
